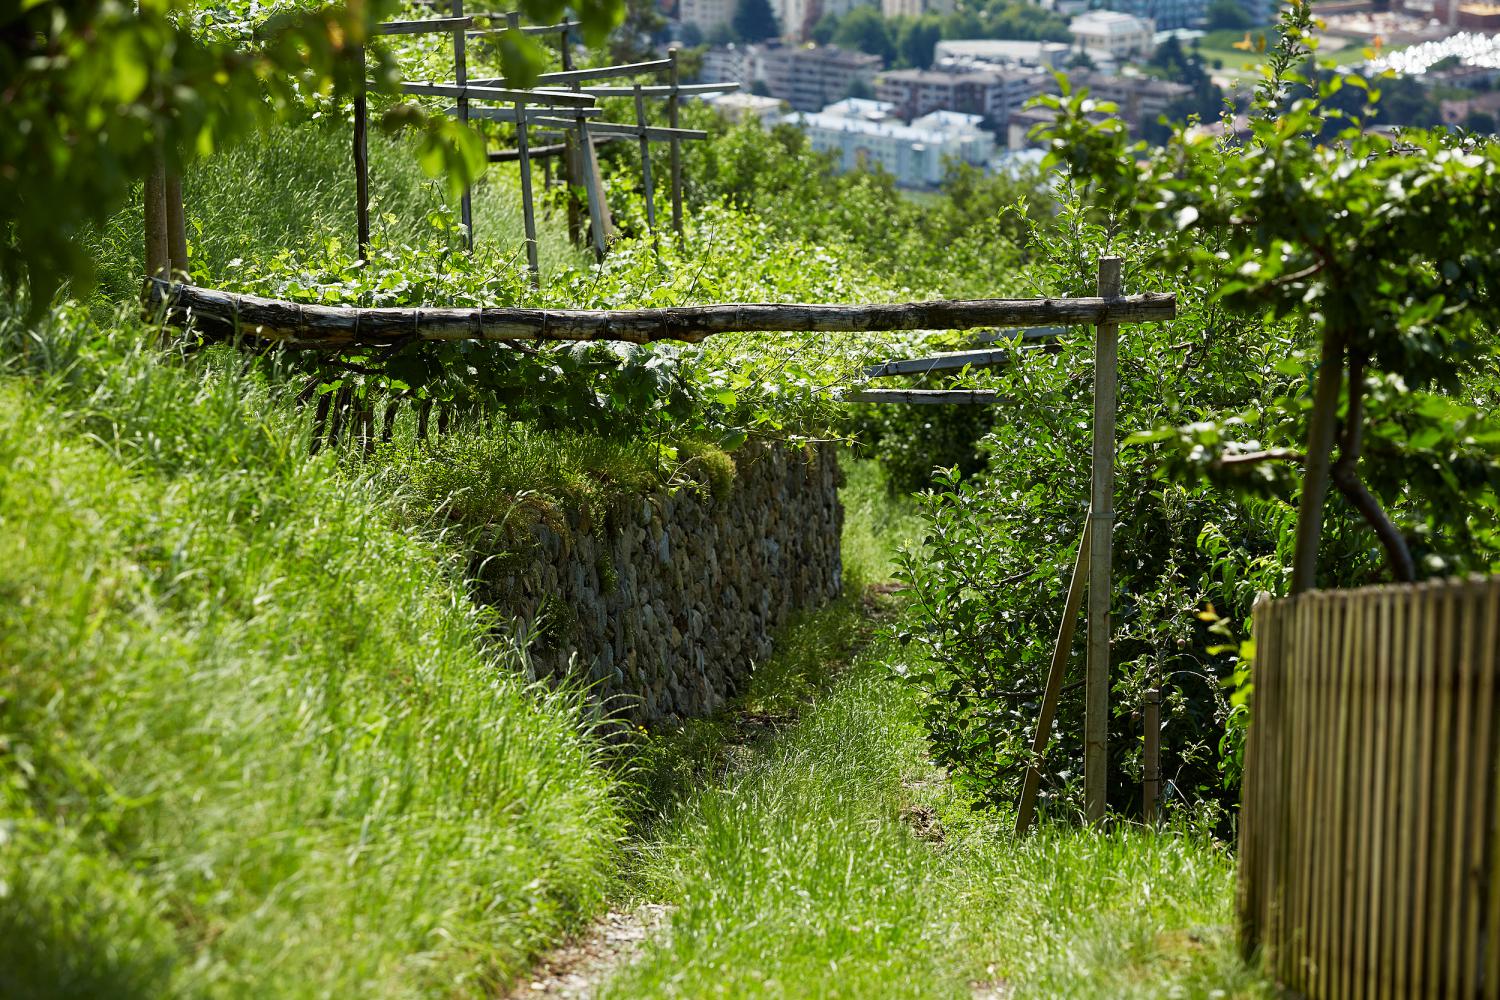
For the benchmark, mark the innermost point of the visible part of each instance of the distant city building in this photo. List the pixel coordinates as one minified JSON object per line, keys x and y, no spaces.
{"x":1001,"y":52}
{"x":730,"y":63}
{"x":865,"y":134}
{"x":1115,"y":35}
{"x":1018,"y":129}
{"x":810,"y":78}
{"x":705,"y":15}
{"x":740,"y":106}
{"x":1141,"y":99}
{"x":1168,"y":14}
{"x":915,"y":8}
{"x":991,"y":94}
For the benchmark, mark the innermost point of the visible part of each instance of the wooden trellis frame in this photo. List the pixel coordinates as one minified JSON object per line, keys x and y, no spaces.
{"x":569,"y":113}
{"x":335,"y":329}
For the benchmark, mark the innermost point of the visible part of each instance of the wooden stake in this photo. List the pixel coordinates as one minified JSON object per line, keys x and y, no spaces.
{"x":177,"y":255}
{"x":528,"y":209}
{"x":1151,"y":756}
{"x":362,"y":161}
{"x":461,"y":77}
{"x":673,"y":108}
{"x":595,"y":187}
{"x":573,"y":157}
{"x":1026,"y":807}
{"x":640,"y":120}
{"x":1101,"y":546}
{"x":158,"y":256}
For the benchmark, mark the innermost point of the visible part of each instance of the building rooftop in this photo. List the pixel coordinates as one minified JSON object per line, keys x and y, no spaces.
{"x":996,"y":50}
{"x":930,"y":133}
{"x":861,"y":108}
{"x":1109,"y":22}
{"x":941,"y":76}
{"x":740,"y":99}
{"x":950,"y":120}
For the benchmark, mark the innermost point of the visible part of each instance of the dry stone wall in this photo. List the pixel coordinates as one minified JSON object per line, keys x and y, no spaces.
{"x":668,"y":608}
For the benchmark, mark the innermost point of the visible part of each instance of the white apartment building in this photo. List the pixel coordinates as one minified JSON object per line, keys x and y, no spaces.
{"x":866,"y":134}
{"x":1114,"y":35}
{"x":730,"y":64}
{"x":739,"y":106}
{"x":705,"y":14}
{"x":915,"y":8}
{"x":990,"y":93}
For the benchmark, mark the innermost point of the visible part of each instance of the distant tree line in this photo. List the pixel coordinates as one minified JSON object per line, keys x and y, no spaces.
{"x":911,"y":41}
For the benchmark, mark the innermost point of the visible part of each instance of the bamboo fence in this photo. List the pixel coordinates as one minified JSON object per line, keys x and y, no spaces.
{"x":1370,"y":817}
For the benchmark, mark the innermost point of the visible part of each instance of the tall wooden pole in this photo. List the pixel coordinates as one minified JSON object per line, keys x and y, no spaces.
{"x":461,"y":77}
{"x":528,"y":211}
{"x":640,"y":120}
{"x":673,"y":103}
{"x":362,"y":161}
{"x":1101,"y":553}
{"x":1151,"y":757}
{"x":572,"y":154}
{"x":158,"y":254}
{"x":1026,"y":807}
{"x":176,"y":224}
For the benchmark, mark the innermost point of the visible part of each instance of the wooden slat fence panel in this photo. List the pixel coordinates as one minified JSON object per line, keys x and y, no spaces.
{"x":1370,"y":822}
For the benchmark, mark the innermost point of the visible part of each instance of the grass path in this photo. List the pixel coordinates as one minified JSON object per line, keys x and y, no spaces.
{"x":803,"y":846}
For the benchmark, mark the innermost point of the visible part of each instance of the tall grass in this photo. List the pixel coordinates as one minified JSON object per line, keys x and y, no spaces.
{"x":295,"y":183}
{"x":252,"y":738}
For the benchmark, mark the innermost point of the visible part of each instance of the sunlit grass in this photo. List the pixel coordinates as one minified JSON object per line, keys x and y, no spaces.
{"x":255,"y":740}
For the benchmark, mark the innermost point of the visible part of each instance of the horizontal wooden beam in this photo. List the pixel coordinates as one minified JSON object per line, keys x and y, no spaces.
{"x":962,"y":397}
{"x":596,"y":73}
{"x":530,"y":29}
{"x":296,"y":324}
{"x":434,"y":25}
{"x":534,"y":152}
{"x":424,"y":26}
{"x":664,"y":90}
{"x":533,"y":115}
{"x":1040,"y":333}
{"x":944,"y":362}
{"x":564,"y":98}
{"x":655,"y":133}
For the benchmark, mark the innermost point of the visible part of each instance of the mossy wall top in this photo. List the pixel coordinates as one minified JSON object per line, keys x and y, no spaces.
{"x":668,"y":606}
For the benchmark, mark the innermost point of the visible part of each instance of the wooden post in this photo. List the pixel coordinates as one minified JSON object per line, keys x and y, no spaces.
{"x":158,"y":256}
{"x":362,"y":161}
{"x":528,"y":211}
{"x":673,"y":108}
{"x":1101,"y":546}
{"x":640,"y":120}
{"x":461,"y":77}
{"x":177,"y":255}
{"x":1026,"y":807}
{"x":595,"y":186}
{"x":573,"y":156}
{"x":1151,"y":757}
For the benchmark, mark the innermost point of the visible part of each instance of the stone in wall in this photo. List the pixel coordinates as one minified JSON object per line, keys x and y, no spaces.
{"x":668,"y":608}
